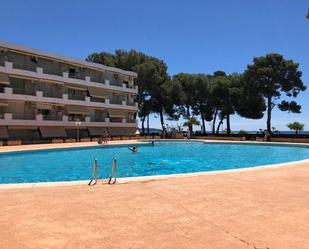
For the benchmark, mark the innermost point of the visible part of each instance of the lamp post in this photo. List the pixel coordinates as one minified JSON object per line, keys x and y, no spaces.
{"x":77,"y":123}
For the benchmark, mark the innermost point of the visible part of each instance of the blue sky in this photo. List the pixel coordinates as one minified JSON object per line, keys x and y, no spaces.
{"x":190,"y":36}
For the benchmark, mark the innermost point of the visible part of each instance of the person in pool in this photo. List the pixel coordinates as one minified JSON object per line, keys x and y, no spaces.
{"x":133,"y":148}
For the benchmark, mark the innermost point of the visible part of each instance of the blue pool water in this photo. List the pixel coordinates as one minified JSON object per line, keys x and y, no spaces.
{"x":163,"y":158}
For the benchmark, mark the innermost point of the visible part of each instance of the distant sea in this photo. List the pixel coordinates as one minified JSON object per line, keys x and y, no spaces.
{"x":154,"y":130}
{"x":279,"y":132}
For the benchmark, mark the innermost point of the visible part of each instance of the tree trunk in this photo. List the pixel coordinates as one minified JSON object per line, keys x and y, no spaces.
{"x":148,"y":124}
{"x":220,"y":123}
{"x":162,"y":119}
{"x":214,"y":121}
{"x":203,"y":123}
{"x":188,"y":111}
{"x":188,"y":116}
{"x":269,"y":109}
{"x":228,"y":124}
{"x":143,"y":126}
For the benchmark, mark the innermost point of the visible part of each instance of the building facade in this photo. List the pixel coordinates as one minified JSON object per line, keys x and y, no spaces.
{"x":45,"y":96}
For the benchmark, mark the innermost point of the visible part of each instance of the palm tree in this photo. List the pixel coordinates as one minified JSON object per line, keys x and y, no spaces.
{"x":190,"y":122}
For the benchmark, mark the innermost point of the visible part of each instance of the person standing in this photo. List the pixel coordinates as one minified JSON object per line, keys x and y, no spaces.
{"x":188,"y":133}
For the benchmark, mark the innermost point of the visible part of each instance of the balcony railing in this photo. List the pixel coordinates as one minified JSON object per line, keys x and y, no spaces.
{"x":99,"y":100}
{"x":77,"y":97}
{"x":1,"y":115}
{"x":74,"y":118}
{"x":77,"y":76}
{"x":53,"y":71}
{"x":115,"y":101}
{"x":18,"y":116}
{"x":52,"y":117}
{"x":52,"y":94}
{"x":98,"y":79}
{"x":97,"y":119}
{"x":24,"y":66}
{"x":116,"y":83}
{"x":131,"y":103}
{"x":24,"y":91}
{"x":131,"y":121}
{"x":115,"y":120}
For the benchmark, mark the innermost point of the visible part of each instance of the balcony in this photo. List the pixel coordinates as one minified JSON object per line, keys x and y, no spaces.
{"x":97,"y":79}
{"x":54,"y":120}
{"x":78,"y":76}
{"x":76,"y":118}
{"x":25,"y":66}
{"x":115,"y":120}
{"x":56,"y":74}
{"x":64,"y":99}
{"x":77,"y":97}
{"x":24,"y":91}
{"x":115,"y":101}
{"x":98,"y":100}
{"x":53,"y":71}
{"x":52,"y":117}
{"x":98,"y":119}
{"x":20,"y":116}
{"x":116,"y":83}
{"x":131,"y":103}
{"x":52,"y":94}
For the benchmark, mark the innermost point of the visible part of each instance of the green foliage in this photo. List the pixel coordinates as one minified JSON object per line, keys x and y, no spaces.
{"x":213,"y":97}
{"x":191,"y":121}
{"x":296,"y":126}
{"x":289,"y":106}
{"x":249,"y":102}
{"x":152,"y":79}
{"x":242,"y":133}
{"x":271,"y":76}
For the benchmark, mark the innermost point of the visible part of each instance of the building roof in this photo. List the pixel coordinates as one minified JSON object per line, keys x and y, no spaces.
{"x":66,"y":59}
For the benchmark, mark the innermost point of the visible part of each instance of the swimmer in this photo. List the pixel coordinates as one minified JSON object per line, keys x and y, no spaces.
{"x":133,"y":149}
{"x":152,"y":143}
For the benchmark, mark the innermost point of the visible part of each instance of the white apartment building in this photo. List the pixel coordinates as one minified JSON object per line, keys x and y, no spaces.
{"x":44,"y":96}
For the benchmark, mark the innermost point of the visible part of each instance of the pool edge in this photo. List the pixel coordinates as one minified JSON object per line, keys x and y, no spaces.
{"x":147,"y":178}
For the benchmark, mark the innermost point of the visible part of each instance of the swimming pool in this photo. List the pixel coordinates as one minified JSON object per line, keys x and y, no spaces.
{"x":161,"y":159}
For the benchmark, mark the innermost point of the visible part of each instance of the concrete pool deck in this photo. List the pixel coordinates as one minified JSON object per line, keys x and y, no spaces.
{"x":261,"y":208}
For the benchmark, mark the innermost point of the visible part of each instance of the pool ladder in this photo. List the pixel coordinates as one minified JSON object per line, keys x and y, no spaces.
{"x":113,"y":175}
{"x":94,"y":178}
{"x":114,"y":170}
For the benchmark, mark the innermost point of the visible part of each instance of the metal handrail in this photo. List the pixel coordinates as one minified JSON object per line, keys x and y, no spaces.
{"x":94,"y":178}
{"x":113,"y":176}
